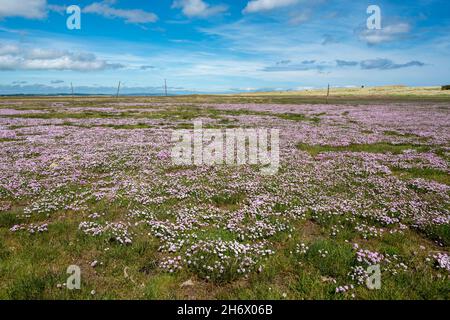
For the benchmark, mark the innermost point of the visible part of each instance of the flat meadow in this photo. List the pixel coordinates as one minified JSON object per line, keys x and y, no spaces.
{"x":89,"y":181}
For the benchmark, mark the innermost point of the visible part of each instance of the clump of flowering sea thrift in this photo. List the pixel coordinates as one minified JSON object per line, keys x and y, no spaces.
{"x":369,"y":257}
{"x":394,"y":264}
{"x":323,"y":253}
{"x":344,"y":289}
{"x":442,"y":261}
{"x":259,"y":230}
{"x":358,"y":274}
{"x":31,"y":228}
{"x":218,"y":260}
{"x":301,"y":248}
{"x":430,"y":186}
{"x":172,"y":264}
{"x":390,"y":263}
{"x":95,"y":215}
{"x":62,"y":199}
{"x":4,"y":206}
{"x":117,"y":231}
{"x":368,"y":232}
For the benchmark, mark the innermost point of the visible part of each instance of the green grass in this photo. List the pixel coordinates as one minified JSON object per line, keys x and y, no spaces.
{"x":439,"y":233}
{"x":399,"y":134}
{"x":424,"y":173}
{"x":330,"y":258}
{"x":368,"y":95}
{"x":9,"y":219}
{"x":4,"y":251}
{"x":298,"y":117}
{"x":32,"y":265}
{"x":228,"y":201}
{"x":7,"y":140}
{"x":31,"y":287}
{"x":381,"y":147}
{"x":161,"y":287}
{"x":185,"y":113}
{"x":310,"y":285}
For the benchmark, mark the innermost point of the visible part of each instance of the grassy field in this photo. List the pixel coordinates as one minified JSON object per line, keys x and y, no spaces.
{"x":363,"y":180}
{"x":369,"y":95}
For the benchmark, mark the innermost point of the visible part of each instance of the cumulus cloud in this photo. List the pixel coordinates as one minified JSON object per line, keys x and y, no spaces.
{"x":378,"y":64}
{"x":304,"y":65}
{"x":345,"y":63}
{"x":386,"y":34}
{"x":146,"y":67}
{"x":300,"y":17}
{"x":30,"y":9}
{"x":329,"y":39}
{"x":60,"y":9}
{"x":38,"y":9}
{"x":267,"y":5}
{"x":386,"y":64}
{"x":105,"y":9}
{"x":283,"y":62}
{"x":198,"y":8}
{"x":14,"y":57}
{"x":6,"y":49}
{"x":322,"y":66}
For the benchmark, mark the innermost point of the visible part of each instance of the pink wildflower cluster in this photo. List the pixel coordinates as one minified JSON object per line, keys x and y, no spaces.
{"x":369,"y":257}
{"x":442,"y":261}
{"x":219,"y":260}
{"x":31,"y":228}
{"x":117,"y":231}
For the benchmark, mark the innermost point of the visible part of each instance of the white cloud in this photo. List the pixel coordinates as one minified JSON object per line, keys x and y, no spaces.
{"x":14,"y":57}
{"x":386,"y":34}
{"x":369,"y":64}
{"x":57,"y":8}
{"x":386,"y":64}
{"x":300,"y":17}
{"x":130,"y":16}
{"x":8,"y":49}
{"x":266,"y":5}
{"x":31,"y":9}
{"x":198,"y":8}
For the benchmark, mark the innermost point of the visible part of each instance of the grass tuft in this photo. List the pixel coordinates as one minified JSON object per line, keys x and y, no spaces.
{"x":381,"y":147}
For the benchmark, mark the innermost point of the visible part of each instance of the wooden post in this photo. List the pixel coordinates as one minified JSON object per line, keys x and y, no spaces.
{"x":165,"y":87}
{"x":118,"y":89}
{"x":71,"y":87}
{"x":328,"y":92}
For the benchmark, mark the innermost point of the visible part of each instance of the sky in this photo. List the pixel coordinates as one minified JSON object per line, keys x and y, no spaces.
{"x":220,"y":46}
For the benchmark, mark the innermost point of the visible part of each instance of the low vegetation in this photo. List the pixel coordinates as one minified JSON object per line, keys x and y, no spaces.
{"x":90,"y":182}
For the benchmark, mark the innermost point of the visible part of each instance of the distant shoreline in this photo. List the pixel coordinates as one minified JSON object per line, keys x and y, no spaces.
{"x":394,"y":90}
{"x":367,"y":95}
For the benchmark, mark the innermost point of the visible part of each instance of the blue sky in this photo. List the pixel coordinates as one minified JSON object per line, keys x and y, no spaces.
{"x":220,"y":45}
